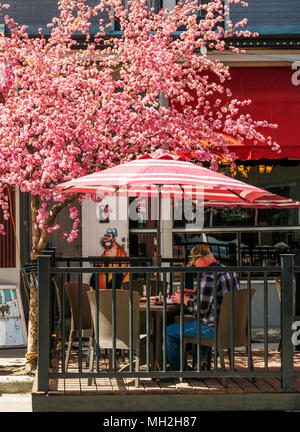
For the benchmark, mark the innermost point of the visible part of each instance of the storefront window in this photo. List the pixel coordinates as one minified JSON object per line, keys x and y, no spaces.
{"x":256,"y":248}
{"x":228,"y":217}
{"x":142,"y":245}
{"x":258,"y":245}
{"x":188,"y":213}
{"x":222,"y":245}
{"x":216,"y":217}
{"x":282,"y":180}
{"x":143,"y":213}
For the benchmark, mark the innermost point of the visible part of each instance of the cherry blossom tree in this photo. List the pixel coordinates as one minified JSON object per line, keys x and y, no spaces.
{"x":71,"y":106}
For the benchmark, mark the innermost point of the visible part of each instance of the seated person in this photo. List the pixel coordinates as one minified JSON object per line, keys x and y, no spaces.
{"x":200,"y":256}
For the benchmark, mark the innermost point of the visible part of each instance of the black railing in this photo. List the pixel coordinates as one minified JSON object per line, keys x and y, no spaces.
{"x":47,"y":268}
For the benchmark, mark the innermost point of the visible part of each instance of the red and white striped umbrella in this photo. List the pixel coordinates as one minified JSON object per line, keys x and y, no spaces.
{"x":176,"y":178}
{"x":165,"y":175}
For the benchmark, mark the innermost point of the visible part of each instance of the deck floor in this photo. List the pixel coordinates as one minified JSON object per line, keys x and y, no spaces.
{"x":101,"y":386}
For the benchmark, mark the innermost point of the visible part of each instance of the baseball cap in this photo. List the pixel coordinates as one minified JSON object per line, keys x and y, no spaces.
{"x":200,"y":250}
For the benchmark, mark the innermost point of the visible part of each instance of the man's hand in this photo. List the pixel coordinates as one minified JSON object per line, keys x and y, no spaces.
{"x":176,"y":298}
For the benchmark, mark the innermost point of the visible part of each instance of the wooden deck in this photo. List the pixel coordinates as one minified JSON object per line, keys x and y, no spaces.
{"x":191,"y":395}
{"x":147,"y":386}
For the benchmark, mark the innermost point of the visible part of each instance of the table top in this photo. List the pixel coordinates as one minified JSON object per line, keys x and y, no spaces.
{"x":159,"y":307}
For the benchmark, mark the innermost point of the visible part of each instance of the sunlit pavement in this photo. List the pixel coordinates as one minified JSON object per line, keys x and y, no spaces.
{"x":15,"y":403}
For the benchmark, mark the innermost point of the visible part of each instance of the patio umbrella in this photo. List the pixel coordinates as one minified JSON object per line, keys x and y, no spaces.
{"x":161,"y":174}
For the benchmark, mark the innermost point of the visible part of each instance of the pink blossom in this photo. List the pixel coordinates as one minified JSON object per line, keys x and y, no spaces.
{"x":62,"y":116}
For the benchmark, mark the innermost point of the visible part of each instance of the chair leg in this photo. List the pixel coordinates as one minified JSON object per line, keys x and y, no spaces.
{"x":184,"y":348}
{"x":279,"y":346}
{"x":54,"y":347}
{"x":221,"y":354}
{"x":209,"y":359}
{"x":251,"y":364}
{"x":89,"y":350}
{"x":229,"y":357}
{"x":137,"y":365}
{"x":91,"y":363}
{"x":70,"y":342}
{"x":110,"y":366}
{"x":57,"y":336}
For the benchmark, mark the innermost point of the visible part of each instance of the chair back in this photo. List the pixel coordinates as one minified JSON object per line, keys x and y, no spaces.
{"x":156,"y":287}
{"x":139,"y":285}
{"x":240,"y":319}
{"x":58,"y":295}
{"x":122,"y":318}
{"x":86,"y":319}
{"x":278,"y":286}
{"x":56,"y":282}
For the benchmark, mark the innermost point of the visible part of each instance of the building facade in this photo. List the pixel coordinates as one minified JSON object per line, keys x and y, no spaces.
{"x":269,"y":74}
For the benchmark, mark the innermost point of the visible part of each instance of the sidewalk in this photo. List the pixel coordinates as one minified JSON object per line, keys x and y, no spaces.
{"x":15,"y":402}
{"x":12,"y":380}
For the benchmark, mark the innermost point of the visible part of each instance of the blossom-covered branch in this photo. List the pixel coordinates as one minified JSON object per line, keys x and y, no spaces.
{"x":67,"y":111}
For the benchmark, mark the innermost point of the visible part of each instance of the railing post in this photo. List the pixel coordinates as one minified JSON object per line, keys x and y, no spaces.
{"x":297,"y":293}
{"x":287,"y":349}
{"x":43,"y":322}
{"x":51,"y":254}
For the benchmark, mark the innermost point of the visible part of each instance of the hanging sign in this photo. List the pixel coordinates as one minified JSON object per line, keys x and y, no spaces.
{"x":12,"y":322}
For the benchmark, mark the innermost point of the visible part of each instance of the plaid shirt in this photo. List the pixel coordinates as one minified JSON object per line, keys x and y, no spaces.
{"x":206,"y":290}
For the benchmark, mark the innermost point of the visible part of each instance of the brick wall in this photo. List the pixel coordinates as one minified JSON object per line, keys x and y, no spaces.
{"x":38,"y":13}
{"x":264,"y":16}
{"x":270,"y":16}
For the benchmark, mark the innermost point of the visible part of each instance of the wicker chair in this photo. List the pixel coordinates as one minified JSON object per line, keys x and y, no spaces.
{"x":105,"y":338}
{"x":224,"y":330}
{"x":86,"y":319}
{"x":58,"y":331}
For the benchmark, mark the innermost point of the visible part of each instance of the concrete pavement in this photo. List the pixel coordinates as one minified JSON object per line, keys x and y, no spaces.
{"x":15,"y":402}
{"x":11,"y":362}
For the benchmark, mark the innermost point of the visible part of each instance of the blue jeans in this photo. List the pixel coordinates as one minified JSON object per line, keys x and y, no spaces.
{"x":173,"y":341}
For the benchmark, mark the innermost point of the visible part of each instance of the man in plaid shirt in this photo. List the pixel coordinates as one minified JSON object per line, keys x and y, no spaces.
{"x":201,"y":256}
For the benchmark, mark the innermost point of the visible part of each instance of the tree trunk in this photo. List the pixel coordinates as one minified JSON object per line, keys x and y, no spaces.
{"x":31,"y":355}
{"x":39,"y":242}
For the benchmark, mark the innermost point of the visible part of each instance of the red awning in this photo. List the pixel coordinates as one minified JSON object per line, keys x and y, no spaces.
{"x":275,"y":99}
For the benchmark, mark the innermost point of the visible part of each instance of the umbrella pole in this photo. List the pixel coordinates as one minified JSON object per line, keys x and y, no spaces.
{"x":157,"y":259}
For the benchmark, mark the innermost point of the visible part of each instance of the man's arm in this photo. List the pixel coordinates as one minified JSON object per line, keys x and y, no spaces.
{"x":206,"y":295}
{"x":176,"y":297}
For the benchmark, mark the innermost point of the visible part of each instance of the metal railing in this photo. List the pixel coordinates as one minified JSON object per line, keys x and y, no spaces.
{"x":47,"y":268}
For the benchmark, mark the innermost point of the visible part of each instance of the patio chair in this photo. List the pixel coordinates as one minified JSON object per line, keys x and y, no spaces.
{"x":86,"y":319}
{"x":224,"y":327}
{"x":105,"y":338}
{"x":58,"y":331}
{"x":137,"y":285}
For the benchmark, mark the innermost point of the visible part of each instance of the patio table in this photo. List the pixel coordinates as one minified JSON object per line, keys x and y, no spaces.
{"x":156,"y":311}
